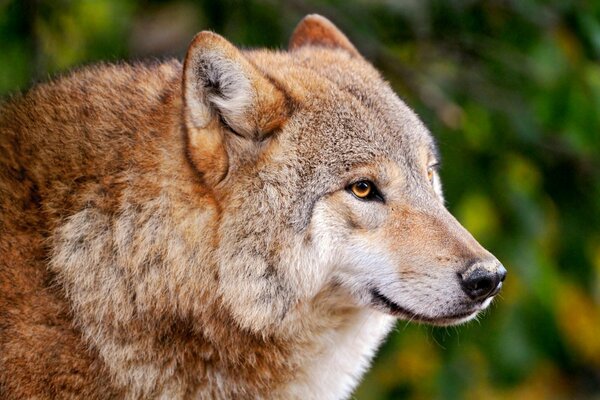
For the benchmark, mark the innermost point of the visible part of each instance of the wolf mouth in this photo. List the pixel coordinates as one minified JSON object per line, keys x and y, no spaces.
{"x":399,"y":311}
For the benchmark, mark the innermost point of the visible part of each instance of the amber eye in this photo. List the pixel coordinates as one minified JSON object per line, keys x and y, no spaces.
{"x":362,"y":189}
{"x":365,"y":190}
{"x":430,"y":171}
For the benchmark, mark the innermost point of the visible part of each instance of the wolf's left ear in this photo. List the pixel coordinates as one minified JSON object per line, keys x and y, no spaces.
{"x":224,"y":92}
{"x":316,"y":30}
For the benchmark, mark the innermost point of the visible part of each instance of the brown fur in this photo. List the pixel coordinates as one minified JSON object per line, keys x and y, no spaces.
{"x":161,"y":224}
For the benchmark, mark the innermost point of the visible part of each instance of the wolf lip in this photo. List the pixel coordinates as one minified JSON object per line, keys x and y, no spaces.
{"x":399,"y":311}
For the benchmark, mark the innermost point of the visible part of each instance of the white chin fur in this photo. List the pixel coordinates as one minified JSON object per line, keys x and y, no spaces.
{"x":469,"y":317}
{"x":486,"y":303}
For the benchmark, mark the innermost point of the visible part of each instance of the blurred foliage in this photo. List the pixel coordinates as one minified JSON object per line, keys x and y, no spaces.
{"x":511,"y":89}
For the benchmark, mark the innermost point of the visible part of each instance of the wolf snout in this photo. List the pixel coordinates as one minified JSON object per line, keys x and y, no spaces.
{"x":482,"y":279}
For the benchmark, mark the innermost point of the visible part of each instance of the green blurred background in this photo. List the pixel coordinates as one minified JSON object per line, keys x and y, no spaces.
{"x":511,"y":89}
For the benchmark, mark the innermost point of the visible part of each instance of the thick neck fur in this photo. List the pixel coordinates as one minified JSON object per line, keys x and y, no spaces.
{"x":133,"y":234}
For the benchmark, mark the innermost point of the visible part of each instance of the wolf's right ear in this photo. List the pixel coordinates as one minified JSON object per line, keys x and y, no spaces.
{"x":316,"y":30}
{"x":224,"y":92}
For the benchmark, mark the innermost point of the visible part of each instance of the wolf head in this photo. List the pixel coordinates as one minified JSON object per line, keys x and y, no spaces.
{"x":325,"y":181}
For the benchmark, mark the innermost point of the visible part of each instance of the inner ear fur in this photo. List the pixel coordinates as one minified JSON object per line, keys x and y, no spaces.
{"x":224,"y":92}
{"x":316,"y":30}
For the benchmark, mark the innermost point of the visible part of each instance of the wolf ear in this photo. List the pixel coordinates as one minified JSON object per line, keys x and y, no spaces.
{"x":316,"y":30}
{"x":224,"y":92}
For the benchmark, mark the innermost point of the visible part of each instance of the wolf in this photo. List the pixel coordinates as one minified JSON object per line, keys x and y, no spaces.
{"x":247,"y":224}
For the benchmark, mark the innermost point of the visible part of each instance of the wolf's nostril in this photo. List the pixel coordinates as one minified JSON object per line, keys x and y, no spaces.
{"x":481,"y":283}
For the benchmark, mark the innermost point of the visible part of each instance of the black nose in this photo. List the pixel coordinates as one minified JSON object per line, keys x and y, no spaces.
{"x":479,"y":283}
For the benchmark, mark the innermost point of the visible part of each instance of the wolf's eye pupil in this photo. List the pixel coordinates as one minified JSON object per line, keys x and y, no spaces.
{"x":362,"y":189}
